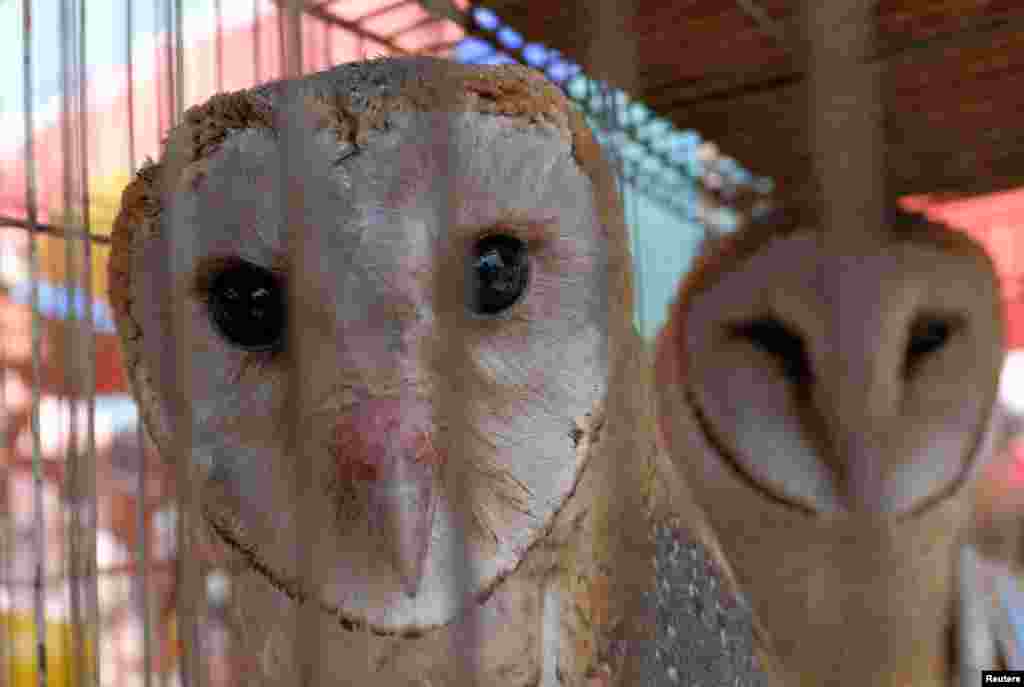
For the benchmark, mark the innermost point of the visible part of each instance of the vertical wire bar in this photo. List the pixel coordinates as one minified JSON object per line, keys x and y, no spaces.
{"x":454,"y":405}
{"x":256,"y":73}
{"x":301,"y":192}
{"x":142,"y":476}
{"x":292,"y":46}
{"x":89,"y":350}
{"x":161,"y":122}
{"x":191,"y":590}
{"x":978,"y":645}
{"x":179,"y":61}
{"x":308,"y":649}
{"x":163,"y":107}
{"x":73,"y":465}
{"x":327,"y":45}
{"x":6,"y":460}
{"x":219,"y":44}
{"x":642,"y":258}
{"x":289,"y":30}
{"x":39,"y":598}
{"x":631,"y":211}
{"x":1007,"y":607}
{"x":142,"y":554}
{"x":6,"y":529}
{"x":187,"y":576}
{"x":628,"y":196}
{"x":612,"y":50}
{"x":129,"y":60}
{"x":169,"y":62}
{"x":283,"y":17}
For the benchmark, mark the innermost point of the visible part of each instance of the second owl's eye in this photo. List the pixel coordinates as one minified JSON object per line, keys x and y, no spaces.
{"x":776,"y":339}
{"x":929,"y":333}
{"x":247,"y":306}
{"x":499,"y":272}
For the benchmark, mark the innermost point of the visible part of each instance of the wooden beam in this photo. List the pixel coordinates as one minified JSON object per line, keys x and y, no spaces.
{"x":685,"y":92}
{"x":844,"y":116}
{"x":844,"y":199}
{"x":764,"y":21}
{"x":717,"y":87}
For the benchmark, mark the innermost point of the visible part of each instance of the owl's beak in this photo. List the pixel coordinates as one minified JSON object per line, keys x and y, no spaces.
{"x":402,"y":507}
{"x":387,"y":446}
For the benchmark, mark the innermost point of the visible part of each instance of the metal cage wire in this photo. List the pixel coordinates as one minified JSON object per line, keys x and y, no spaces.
{"x":169,"y":603}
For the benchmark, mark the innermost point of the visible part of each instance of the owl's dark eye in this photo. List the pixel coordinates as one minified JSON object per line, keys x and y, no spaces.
{"x":247,"y":306}
{"x":777,"y":340}
{"x":499,"y":273}
{"x":928,"y":334}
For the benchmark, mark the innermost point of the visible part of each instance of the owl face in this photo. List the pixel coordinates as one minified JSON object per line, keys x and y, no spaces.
{"x":396,"y":208}
{"x":836,"y":382}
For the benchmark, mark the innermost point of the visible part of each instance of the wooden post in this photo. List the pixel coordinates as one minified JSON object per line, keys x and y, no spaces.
{"x":844,"y":199}
{"x":844,"y":116}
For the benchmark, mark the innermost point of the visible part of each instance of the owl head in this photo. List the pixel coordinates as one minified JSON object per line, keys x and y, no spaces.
{"x":441,"y":199}
{"x":839,"y":377}
{"x":829,"y":398}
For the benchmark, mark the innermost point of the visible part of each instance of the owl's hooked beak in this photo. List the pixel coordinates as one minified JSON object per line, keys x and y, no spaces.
{"x":402,"y":509}
{"x":385,"y":446}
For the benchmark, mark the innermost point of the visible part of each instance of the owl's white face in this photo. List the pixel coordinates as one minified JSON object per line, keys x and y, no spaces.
{"x":859,"y":381}
{"x":523,"y":224}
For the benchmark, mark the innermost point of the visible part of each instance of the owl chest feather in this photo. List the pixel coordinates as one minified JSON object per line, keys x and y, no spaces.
{"x":890,"y":586}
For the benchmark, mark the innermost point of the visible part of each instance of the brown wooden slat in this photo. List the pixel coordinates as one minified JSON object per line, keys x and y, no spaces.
{"x":952,"y":85}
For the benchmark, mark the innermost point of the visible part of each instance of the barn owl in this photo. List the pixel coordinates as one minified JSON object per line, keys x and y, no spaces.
{"x":829,"y":411}
{"x":467,"y":242}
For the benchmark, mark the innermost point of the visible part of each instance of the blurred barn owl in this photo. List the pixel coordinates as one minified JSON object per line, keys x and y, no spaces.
{"x":830,"y":411}
{"x":467,"y":243}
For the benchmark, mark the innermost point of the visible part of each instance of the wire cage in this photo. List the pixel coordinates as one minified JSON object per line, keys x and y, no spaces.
{"x":94,"y":588}
{"x":90,"y":512}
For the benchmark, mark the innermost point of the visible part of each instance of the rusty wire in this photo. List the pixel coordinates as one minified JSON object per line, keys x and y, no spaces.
{"x":141,"y":573}
{"x":6,"y":526}
{"x":39,"y":599}
{"x":79,"y":353}
{"x":189,"y":580}
{"x":302,"y":194}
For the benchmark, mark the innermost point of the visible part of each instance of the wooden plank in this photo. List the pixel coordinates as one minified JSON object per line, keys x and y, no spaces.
{"x":844,"y":116}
